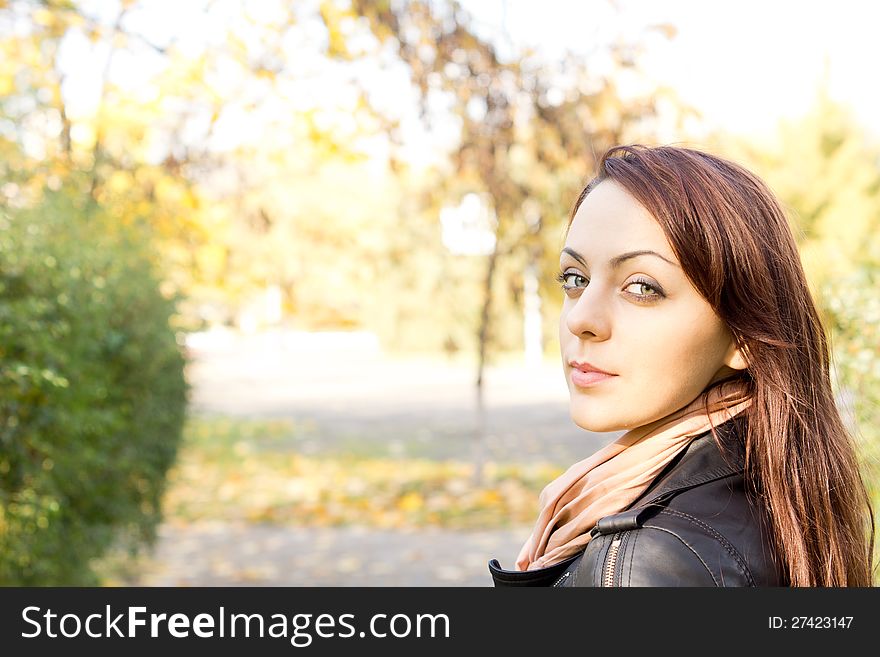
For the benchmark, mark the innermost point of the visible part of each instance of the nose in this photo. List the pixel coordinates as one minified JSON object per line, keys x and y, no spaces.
{"x":589,"y":316}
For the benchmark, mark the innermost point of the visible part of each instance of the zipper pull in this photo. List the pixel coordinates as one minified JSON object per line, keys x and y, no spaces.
{"x":619,"y":522}
{"x":625,"y":520}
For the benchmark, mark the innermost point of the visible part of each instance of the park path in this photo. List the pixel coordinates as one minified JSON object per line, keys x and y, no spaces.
{"x":413,"y":407}
{"x":230,"y":554}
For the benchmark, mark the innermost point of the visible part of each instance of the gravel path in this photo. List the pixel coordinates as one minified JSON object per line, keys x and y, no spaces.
{"x":224,"y":554}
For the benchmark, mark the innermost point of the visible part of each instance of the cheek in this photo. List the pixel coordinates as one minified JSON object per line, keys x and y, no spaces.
{"x":681,"y":347}
{"x":655,"y":349}
{"x":685,"y":337}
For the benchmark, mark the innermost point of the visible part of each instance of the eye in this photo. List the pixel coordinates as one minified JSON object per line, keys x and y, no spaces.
{"x":646,"y":290}
{"x":571,"y":280}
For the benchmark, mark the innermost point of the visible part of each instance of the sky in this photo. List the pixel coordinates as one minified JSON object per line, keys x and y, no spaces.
{"x":744,"y":64}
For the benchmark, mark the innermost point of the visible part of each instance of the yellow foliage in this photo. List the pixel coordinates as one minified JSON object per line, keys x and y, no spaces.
{"x":490,"y":497}
{"x":44,"y":17}
{"x":211,"y":259}
{"x":411,"y":501}
{"x":119,"y":182}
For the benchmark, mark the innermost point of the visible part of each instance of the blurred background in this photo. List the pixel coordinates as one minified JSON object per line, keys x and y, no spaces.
{"x":276,"y":278}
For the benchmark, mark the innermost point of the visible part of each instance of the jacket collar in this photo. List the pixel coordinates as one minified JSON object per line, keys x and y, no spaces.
{"x":701,"y":462}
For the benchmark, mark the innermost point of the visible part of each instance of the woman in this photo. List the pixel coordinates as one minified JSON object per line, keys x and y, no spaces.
{"x":687,"y":321}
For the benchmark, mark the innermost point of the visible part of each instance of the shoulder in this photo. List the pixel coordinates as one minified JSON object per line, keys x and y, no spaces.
{"x":707,"y":536}
{"x":682,"y":544}
{"x":653,"y":555}
{"x":704,"y":531}
{"x":728,"y":529}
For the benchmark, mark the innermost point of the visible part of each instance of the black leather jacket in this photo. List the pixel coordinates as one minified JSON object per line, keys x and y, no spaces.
{"x":694,"y":526}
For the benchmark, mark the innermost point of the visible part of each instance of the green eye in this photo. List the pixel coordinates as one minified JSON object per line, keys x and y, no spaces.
{"x":642,"y":285}
{"x":564,"y":278}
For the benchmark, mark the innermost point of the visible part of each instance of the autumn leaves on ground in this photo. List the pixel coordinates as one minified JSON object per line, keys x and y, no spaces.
{"x":249,"y":470}
{"x":245,"y":483}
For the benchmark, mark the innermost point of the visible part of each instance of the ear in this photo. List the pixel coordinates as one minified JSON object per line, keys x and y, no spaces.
{"x":737,"y":357}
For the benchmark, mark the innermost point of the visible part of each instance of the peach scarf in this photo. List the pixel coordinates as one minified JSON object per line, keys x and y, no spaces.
{"x":614,"y":477}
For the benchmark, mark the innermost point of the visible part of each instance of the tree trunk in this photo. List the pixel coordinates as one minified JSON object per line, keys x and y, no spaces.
{"x":482,"y":354}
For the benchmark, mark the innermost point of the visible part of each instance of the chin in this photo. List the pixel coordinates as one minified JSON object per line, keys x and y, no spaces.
{"x":595,"y":422}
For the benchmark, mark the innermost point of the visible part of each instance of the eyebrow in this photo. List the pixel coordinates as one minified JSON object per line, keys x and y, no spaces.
{"x":617,"y":260}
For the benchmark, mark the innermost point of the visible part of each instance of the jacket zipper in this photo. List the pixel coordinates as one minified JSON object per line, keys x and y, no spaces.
{"x":611,"y":562}
{"x":562,"y":579}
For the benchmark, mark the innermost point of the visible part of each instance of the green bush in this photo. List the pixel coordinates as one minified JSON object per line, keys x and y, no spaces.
{"x":852,"y":310}
{"x":92,"y":394}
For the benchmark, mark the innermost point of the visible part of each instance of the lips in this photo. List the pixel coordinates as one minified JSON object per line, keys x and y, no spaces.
{"x":586,"y":367}
{"x":586,"y":375}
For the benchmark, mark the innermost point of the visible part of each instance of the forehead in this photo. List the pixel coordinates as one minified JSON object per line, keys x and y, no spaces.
{"x":610,"y":221}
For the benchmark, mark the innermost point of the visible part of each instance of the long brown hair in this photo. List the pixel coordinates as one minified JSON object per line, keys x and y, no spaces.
{"x":735,"y":244}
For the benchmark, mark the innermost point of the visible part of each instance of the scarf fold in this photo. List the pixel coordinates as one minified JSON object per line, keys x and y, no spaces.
{"x":615,"y":476}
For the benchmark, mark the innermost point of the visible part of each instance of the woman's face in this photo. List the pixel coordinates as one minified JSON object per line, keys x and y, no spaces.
{"x":637,"y":317}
